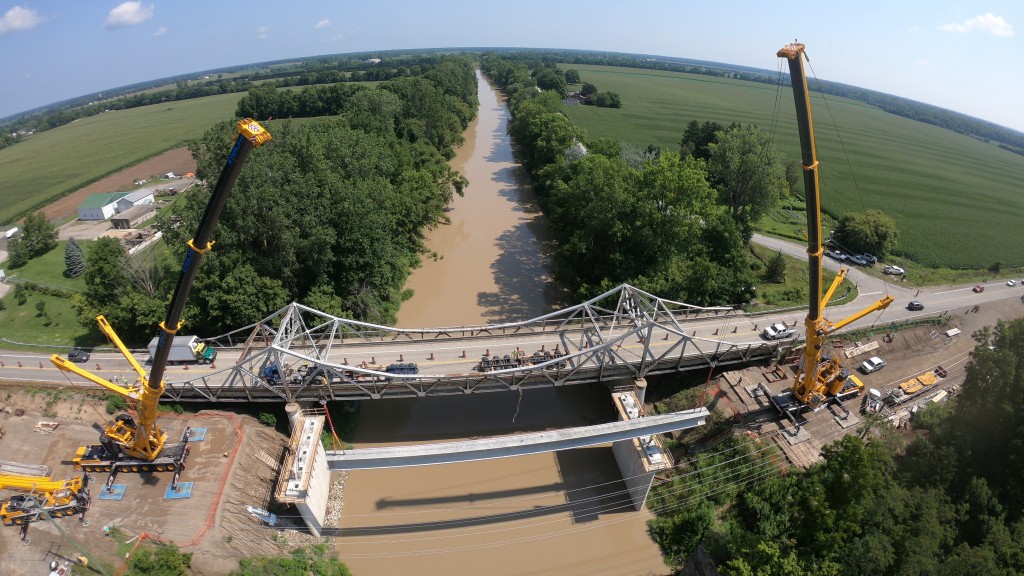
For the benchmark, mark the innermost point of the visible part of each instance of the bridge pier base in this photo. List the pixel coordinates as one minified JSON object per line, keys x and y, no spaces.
{"x":305,"y":476}
{"x":639,"y":459}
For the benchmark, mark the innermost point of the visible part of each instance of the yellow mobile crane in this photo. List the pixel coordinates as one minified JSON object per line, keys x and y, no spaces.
{"x":818,"y":377}
{"x":42,"y":497}
{"x":138,"y":444}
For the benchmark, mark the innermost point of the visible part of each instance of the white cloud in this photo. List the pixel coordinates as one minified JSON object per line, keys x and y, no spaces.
{"x":987,"y":23}
{"x":322,"y":24}
{"x":913,"y":29}
{"x":338,"y":37}
{"x":261,"y":32}
{"x":924,"y":63}
{"x":17,"y":19}
{"x":129,"y":14}
{"x":161,"y":31}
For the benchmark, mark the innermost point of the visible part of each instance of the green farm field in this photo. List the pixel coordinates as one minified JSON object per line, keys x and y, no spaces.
{"x":57,"y":162}
{"x":956,"y":199}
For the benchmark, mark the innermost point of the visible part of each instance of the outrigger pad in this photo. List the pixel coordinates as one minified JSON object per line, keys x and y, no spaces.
{"x":116,"y":492}
{"x":184,"y":491}
{"x":196,"y":434}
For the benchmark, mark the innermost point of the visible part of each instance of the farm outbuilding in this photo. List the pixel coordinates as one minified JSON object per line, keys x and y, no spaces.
{"x":100,"y":206}
{"x":140,"y":197}
{"x":133,"y":216}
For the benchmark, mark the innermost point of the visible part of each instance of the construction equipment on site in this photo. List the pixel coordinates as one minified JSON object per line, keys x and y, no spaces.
{"x":914,"y":386}
{"x":819,"y":376}
{"x":137,"y":443}
{"x":58,"y":498}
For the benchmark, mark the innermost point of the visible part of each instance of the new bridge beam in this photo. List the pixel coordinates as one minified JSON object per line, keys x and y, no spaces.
{"x":513,"y":445}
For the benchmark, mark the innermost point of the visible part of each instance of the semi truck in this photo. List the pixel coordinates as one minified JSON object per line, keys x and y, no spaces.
{"x":186,"y":349}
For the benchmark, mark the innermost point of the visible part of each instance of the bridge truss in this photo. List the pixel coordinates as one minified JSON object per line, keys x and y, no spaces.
{"x":302,"y":354}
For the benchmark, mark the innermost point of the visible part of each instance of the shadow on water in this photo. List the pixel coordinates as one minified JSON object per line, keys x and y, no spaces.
{"x":470,"y":498}
{"x":595,"y":486}
{"x":458,"y":523}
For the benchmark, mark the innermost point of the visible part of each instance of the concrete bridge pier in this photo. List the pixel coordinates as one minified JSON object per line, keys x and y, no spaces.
{"x":305,"y":477}
{"x":639,"y":459}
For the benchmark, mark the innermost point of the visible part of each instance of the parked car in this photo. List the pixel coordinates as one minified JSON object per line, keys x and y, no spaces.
{"x":873,"y":364}
{"x":915,"y":305}
{"x":78,"y":355}
{"x":777,"y":331}
{"x":895,"y":270}
{"x":869,"y":258}
{"x":858,"y":260}
{"x":1011,"y":282}
{"x":978,"y":288}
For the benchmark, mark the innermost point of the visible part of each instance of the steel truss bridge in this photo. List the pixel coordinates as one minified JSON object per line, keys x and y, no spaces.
{"x":300,"y":354}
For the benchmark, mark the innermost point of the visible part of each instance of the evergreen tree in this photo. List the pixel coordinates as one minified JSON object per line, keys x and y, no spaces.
{"x":775,"y":269}
{"x":74,"y":259}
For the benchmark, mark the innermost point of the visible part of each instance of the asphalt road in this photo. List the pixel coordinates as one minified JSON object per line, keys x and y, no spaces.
{"x":35,"y":367}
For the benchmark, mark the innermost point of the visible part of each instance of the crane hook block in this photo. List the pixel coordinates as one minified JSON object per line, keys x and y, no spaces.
{"x":253,"y":132}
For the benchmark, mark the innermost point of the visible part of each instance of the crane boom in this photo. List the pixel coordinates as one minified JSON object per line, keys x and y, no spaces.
{"x":142,"y":438}
{"x":816,"y":379}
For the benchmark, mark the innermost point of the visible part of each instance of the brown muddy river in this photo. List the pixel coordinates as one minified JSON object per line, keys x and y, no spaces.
{"x":548,"y":514}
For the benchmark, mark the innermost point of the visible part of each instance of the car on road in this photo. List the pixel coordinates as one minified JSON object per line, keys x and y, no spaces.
{"x":1011,"y":282}
{"x":777,"y":331}
{"x":978,"y":288}
{"x":873,"y":364}
{"x":894,"y":270}
{"x":78,"y":355}
{"x":915,"y":305}
{"x":836,"y":255}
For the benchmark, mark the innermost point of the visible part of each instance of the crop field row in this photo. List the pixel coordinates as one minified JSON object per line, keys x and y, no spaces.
{"x":56,"y":162}
{"x":956,"y":200}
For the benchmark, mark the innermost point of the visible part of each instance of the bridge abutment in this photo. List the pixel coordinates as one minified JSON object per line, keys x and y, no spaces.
{"x":305,"y":477}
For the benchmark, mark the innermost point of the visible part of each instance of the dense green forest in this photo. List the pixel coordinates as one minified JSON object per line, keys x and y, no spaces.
{"x":946,"y":499}
{"x":692,"y":243}
{"x":331,"y":212}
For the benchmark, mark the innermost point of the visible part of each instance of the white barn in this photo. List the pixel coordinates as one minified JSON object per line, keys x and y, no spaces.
{"x":100,"y":206}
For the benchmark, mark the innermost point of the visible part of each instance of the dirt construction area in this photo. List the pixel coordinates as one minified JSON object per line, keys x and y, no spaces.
{"x":234,"y":465}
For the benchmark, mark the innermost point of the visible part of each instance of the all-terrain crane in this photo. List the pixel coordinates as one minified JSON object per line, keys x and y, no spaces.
{"x":58,"y":498}
{"x":138,"y":444}
{"x":819,"y":376}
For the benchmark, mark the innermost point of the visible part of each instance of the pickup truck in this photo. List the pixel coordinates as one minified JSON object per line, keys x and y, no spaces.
{"x":777,"y":331}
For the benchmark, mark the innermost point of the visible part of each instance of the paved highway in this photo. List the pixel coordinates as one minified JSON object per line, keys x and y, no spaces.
{"x":446,"y":352}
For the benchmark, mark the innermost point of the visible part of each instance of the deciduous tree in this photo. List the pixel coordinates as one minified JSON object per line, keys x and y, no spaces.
{"x":869,"y":231}
{"x":748,"y":173}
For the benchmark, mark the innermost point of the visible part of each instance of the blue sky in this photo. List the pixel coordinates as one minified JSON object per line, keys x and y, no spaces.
{"x":965,"y":56}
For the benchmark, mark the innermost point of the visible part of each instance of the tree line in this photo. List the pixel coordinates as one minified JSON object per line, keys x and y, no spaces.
{"x":671,"y":223}
{"x":332,"y":212}
{"x":947,"y":499}
{"x":328,"y":70}
{"x":1006,"y":138}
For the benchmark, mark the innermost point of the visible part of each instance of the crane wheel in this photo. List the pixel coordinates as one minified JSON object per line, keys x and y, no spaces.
{"x":19,"y":521}
{"x":105,"y":469}
{"x":58,"y":513}
{"x":161,"y":468}
{"x":147,"y":468}
{"x":135,"y":468}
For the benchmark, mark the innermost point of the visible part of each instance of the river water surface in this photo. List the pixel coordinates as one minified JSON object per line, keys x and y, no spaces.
{"x":546,"y":514}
